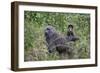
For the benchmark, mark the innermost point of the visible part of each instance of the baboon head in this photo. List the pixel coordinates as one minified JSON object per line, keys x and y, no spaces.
{"x":49,"y":31}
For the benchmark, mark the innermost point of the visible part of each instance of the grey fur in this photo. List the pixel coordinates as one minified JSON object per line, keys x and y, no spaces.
{"x":56,"y":41}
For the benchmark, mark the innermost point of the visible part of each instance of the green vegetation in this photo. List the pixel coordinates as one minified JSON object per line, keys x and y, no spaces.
{"x":35,"y":48}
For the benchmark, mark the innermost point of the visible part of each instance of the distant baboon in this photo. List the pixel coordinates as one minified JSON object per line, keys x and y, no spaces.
{"x":56,"y":41}
{"x":70,"y":34}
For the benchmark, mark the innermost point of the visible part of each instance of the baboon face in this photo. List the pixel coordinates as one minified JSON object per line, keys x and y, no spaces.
{"x":49,"y":31}
{"x":70,"y":28}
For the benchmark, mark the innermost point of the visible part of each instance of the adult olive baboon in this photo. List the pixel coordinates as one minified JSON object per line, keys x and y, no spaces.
{"x":56,"y":41}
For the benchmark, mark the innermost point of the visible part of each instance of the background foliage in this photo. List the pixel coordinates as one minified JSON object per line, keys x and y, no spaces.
{"x":35,"y":48}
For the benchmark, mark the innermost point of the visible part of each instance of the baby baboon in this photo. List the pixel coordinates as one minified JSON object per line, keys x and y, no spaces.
{"x":70,"y":34}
